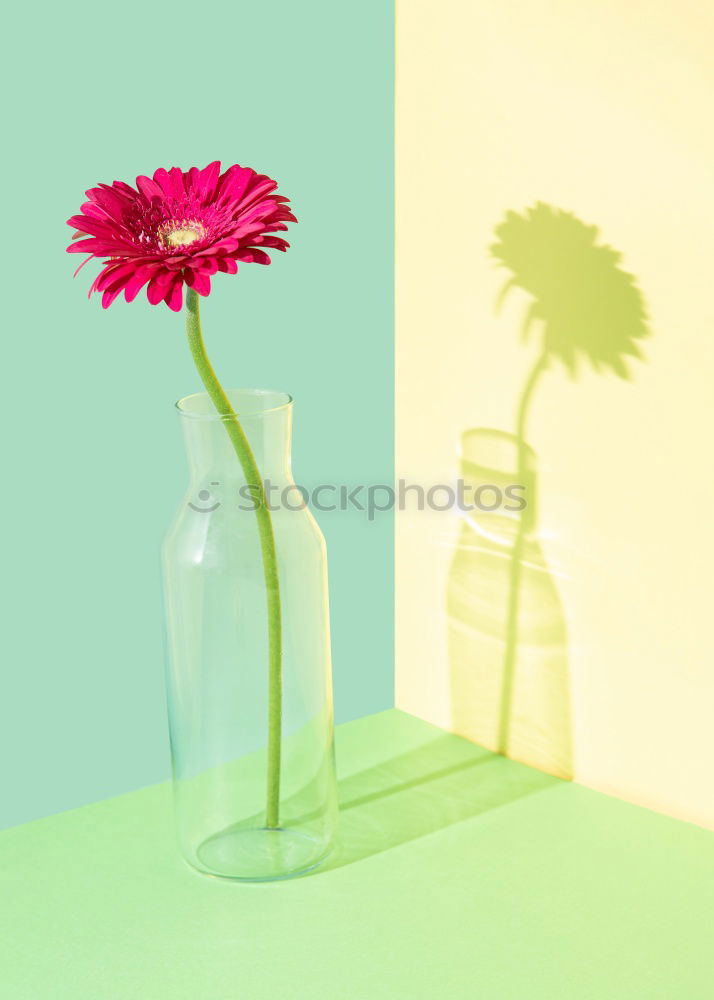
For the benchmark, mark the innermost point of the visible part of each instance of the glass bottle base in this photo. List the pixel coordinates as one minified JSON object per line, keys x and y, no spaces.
{"x":259,"y":854}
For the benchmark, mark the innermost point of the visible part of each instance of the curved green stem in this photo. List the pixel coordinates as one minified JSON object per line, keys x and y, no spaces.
{"x":254,"y":480}
{"x":514,"y":583}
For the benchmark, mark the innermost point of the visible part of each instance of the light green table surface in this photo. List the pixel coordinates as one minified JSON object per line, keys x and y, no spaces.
{"x":461,"y":875}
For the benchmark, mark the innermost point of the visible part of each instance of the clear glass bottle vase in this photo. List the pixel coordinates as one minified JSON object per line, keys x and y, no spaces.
{"x":221,"y":699}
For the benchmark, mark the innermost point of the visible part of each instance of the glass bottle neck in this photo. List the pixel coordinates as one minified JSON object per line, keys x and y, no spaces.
{"x":210,"y":449}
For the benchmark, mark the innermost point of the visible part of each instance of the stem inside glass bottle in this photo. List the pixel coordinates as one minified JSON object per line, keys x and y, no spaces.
{"x":244,"y":452}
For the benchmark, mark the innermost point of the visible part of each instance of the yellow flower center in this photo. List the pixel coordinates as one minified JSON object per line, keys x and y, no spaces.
{"x":180,"y":232}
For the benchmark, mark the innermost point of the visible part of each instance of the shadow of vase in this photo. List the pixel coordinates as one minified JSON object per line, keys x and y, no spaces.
{"x":507,"y":637}
{"x":418,"y":780}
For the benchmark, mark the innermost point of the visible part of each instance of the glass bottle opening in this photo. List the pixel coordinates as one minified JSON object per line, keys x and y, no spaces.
{"x":245,"y":402}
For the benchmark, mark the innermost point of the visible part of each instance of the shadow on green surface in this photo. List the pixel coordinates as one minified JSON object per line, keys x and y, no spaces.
{"x":443,"y":782}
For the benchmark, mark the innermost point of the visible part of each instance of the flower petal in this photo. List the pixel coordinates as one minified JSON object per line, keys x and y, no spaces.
{"x":207,"y":181}
{"x":174,"y":296}
{"x":251,"y":255}
{"x":199,"y":281}
{"x":109,"y":296}
{"x":157,"y":287}
{"x":149,"y":188}
{"x":136,"y":283}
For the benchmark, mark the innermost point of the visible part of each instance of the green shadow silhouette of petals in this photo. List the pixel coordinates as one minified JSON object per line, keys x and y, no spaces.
{"x":588,"y":305}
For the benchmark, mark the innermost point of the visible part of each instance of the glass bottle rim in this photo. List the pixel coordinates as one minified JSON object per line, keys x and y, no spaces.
{"x":247,"y":403}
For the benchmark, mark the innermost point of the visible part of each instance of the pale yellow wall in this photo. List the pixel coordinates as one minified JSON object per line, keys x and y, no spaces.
{"x":604,"y":108}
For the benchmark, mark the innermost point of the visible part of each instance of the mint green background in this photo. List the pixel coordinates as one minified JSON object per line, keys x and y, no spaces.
{"x":93,"y":459}
{"x":459,"y":875}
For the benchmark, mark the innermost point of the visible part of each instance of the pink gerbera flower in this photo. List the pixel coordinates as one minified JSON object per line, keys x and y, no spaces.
{"x":179,"y":227}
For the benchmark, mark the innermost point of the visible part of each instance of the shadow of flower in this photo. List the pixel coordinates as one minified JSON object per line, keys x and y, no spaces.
{"x":507,"y":635}
{"x":588,"y":305}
